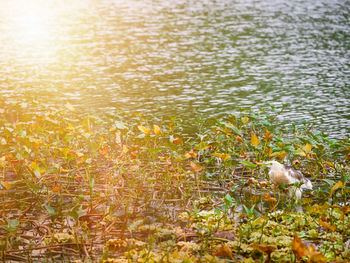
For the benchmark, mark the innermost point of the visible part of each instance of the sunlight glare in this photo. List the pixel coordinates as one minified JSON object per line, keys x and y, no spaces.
{"x":31,"y":22}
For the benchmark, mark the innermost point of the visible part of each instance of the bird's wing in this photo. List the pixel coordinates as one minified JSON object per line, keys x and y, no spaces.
{"x":295,"y":176}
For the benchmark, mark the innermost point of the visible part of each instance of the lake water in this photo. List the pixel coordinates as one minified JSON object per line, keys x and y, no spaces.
{"x":185,"y":58}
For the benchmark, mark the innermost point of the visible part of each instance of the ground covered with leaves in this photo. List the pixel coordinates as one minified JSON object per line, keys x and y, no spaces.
{"x":121,"y":188}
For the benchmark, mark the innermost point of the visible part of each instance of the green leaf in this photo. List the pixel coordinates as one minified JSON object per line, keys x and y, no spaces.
{"x":195,"y":209}
{"x":300,"y":152}
{"x":228,"y":200}
{"x":120,"y":125}
{"x":50,"y":210}
{"x":233,"y":128}
{"x":11,"y":226}
{"x":76,"y":212}
{"x":249,"y":211}
{"x":328,"y":181}
{"x":141,"y":136}
{"x":266,"y":123}
{"x":248,"y":164}
{"x":208,"y":175}
{"x":92,"y":182}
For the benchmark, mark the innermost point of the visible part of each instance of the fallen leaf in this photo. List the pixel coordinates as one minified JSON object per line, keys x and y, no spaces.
{"x":326,"y":225}
{"x":6,"y":185}
{"x":223,"y":251}
{"x":298,"y":247}
{"x":316,"y":256}
{"x":196,"y":167}
{"x":301,"y":250}
{"x":266,"y":249}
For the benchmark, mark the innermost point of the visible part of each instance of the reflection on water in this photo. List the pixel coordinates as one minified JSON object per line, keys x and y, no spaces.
{"x":181,"y":57}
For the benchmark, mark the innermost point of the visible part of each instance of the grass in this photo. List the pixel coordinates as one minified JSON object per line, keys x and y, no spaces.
{"x":120,"y":188}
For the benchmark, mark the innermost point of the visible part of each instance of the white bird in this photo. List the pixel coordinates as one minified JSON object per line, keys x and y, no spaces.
{"x":283,"y":174}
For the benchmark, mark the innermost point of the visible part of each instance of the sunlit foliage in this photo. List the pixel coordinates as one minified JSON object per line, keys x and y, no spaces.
{"x":123,"y":188}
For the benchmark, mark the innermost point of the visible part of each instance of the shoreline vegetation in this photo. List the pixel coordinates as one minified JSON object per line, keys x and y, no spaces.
{"x":121,"y":188}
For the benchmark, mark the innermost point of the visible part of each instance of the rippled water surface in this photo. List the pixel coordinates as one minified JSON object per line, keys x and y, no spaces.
{"x":186,"y":58}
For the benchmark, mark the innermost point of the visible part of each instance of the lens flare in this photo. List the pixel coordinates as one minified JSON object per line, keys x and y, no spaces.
{"x":29,"y":29}
{"x":31,"y":21}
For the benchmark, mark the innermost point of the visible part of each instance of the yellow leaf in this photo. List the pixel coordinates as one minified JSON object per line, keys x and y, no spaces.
{"x":156,"y":129}
{"x":329,"y":163}
{"x":307,"y":148}
{"x":225,"y":156}
{"x":281,"y":154}
{"x":268,"y":136}
{"x":338,"y":185}
{"x":34,"y":166}
{"x":144,"y":129}
{"x":196,"y":167}
{"x":77,"y":154}
{"x":191,"y":154}
{"x":254,"y":140}
{"x":6,"y":185}
{"x":2,"y":161}
{"x":69,"y":106}
{"x":70,"y":127}
{"x":125,"y":149}
{"x":270,"y":151}
{"x":245,"y":120}
{"x":222,"y":156}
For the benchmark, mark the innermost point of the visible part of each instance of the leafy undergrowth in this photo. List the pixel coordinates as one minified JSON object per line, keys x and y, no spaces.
{"x":118,"y":188}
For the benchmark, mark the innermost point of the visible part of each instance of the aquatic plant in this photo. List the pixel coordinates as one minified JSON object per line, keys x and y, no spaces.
{"x":120,"y":187}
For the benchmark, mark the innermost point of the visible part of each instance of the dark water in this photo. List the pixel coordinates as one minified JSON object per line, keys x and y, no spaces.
{"x":184,"y":58}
